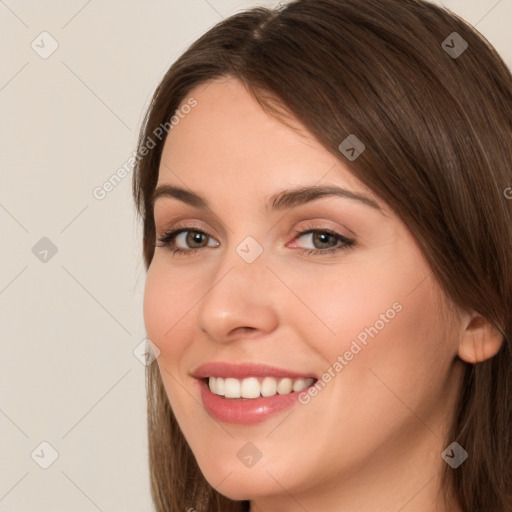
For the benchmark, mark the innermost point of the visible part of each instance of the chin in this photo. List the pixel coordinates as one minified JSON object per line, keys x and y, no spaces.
{"x":242,"y":487}
{"x":236,"y":482}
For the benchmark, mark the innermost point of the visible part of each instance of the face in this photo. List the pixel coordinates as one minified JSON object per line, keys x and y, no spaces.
{"x":319,"y":308}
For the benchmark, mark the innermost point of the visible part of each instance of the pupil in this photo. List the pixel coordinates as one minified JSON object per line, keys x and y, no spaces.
{"x":194,"y":237}
{"x":323,"y":238}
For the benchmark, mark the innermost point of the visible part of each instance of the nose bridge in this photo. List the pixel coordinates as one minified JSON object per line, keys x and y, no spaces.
{"x":243,"y":266}
{"x":239,"y":294}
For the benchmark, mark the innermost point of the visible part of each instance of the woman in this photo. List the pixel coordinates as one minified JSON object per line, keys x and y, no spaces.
{"x":328,"y":244}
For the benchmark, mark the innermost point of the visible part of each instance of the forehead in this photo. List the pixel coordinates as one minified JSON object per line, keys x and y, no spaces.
{"x":228,"y":137}
{"x":227,"y":115}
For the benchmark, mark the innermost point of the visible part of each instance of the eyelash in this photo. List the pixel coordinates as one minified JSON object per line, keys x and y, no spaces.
{"x":168,"y":236}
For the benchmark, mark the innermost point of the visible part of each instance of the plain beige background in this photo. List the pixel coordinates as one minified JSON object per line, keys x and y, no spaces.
{"x":71,"y":273}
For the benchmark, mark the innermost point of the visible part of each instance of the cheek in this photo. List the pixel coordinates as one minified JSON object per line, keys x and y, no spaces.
{"x":395,"y":352}
{"x":385,"y":323}
{"x":340,"y":306}
{"x":168,"y":300}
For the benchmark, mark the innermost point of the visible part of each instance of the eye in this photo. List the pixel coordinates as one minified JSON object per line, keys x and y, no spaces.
{"x":189,"y":240}
{"x":185,"y":240}
{"x":324,"y":241}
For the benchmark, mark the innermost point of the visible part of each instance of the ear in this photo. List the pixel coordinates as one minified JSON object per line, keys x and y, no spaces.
{"x":480,"y":339}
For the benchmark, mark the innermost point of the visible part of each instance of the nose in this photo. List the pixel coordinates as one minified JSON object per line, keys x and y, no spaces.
{"x":240,"y":301}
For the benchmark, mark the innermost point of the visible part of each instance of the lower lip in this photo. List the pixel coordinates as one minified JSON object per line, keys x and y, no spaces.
{"x":245,"y":411}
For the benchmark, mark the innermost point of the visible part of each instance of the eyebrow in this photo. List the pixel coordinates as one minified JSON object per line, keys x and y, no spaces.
{"x":280,"y":201}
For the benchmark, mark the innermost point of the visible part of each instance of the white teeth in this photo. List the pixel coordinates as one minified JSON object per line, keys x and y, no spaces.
{"x":251,"y":387}
{"x":268,"y":387}
{"x":231,"y":388}
{"x":300,"y":384}
{"x":285,"y":386}
{"x":220,"y":386}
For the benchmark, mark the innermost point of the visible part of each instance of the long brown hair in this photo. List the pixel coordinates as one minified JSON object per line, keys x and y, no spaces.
{"x":435,"y":115}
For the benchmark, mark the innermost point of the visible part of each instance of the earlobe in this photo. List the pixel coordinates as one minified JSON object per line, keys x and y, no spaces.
{"x":480,"y":340}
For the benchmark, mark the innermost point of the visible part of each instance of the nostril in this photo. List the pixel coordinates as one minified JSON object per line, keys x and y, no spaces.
{"x":244,"y":329}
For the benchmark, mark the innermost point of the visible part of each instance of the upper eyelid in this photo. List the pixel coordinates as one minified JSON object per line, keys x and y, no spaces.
{"x":173,"y":225}
{"x":210,"y":219}
{"x":223,"y":228}
{"x":220,"y":227}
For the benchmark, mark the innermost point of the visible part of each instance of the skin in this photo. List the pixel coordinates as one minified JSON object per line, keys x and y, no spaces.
{"x":372,"y":438}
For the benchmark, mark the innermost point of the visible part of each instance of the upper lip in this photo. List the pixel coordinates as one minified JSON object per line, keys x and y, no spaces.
{"x":241,"y":371}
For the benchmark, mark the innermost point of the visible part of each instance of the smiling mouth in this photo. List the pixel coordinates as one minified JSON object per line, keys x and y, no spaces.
{"x":256,"y":387}
{"x":249,"y":393}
